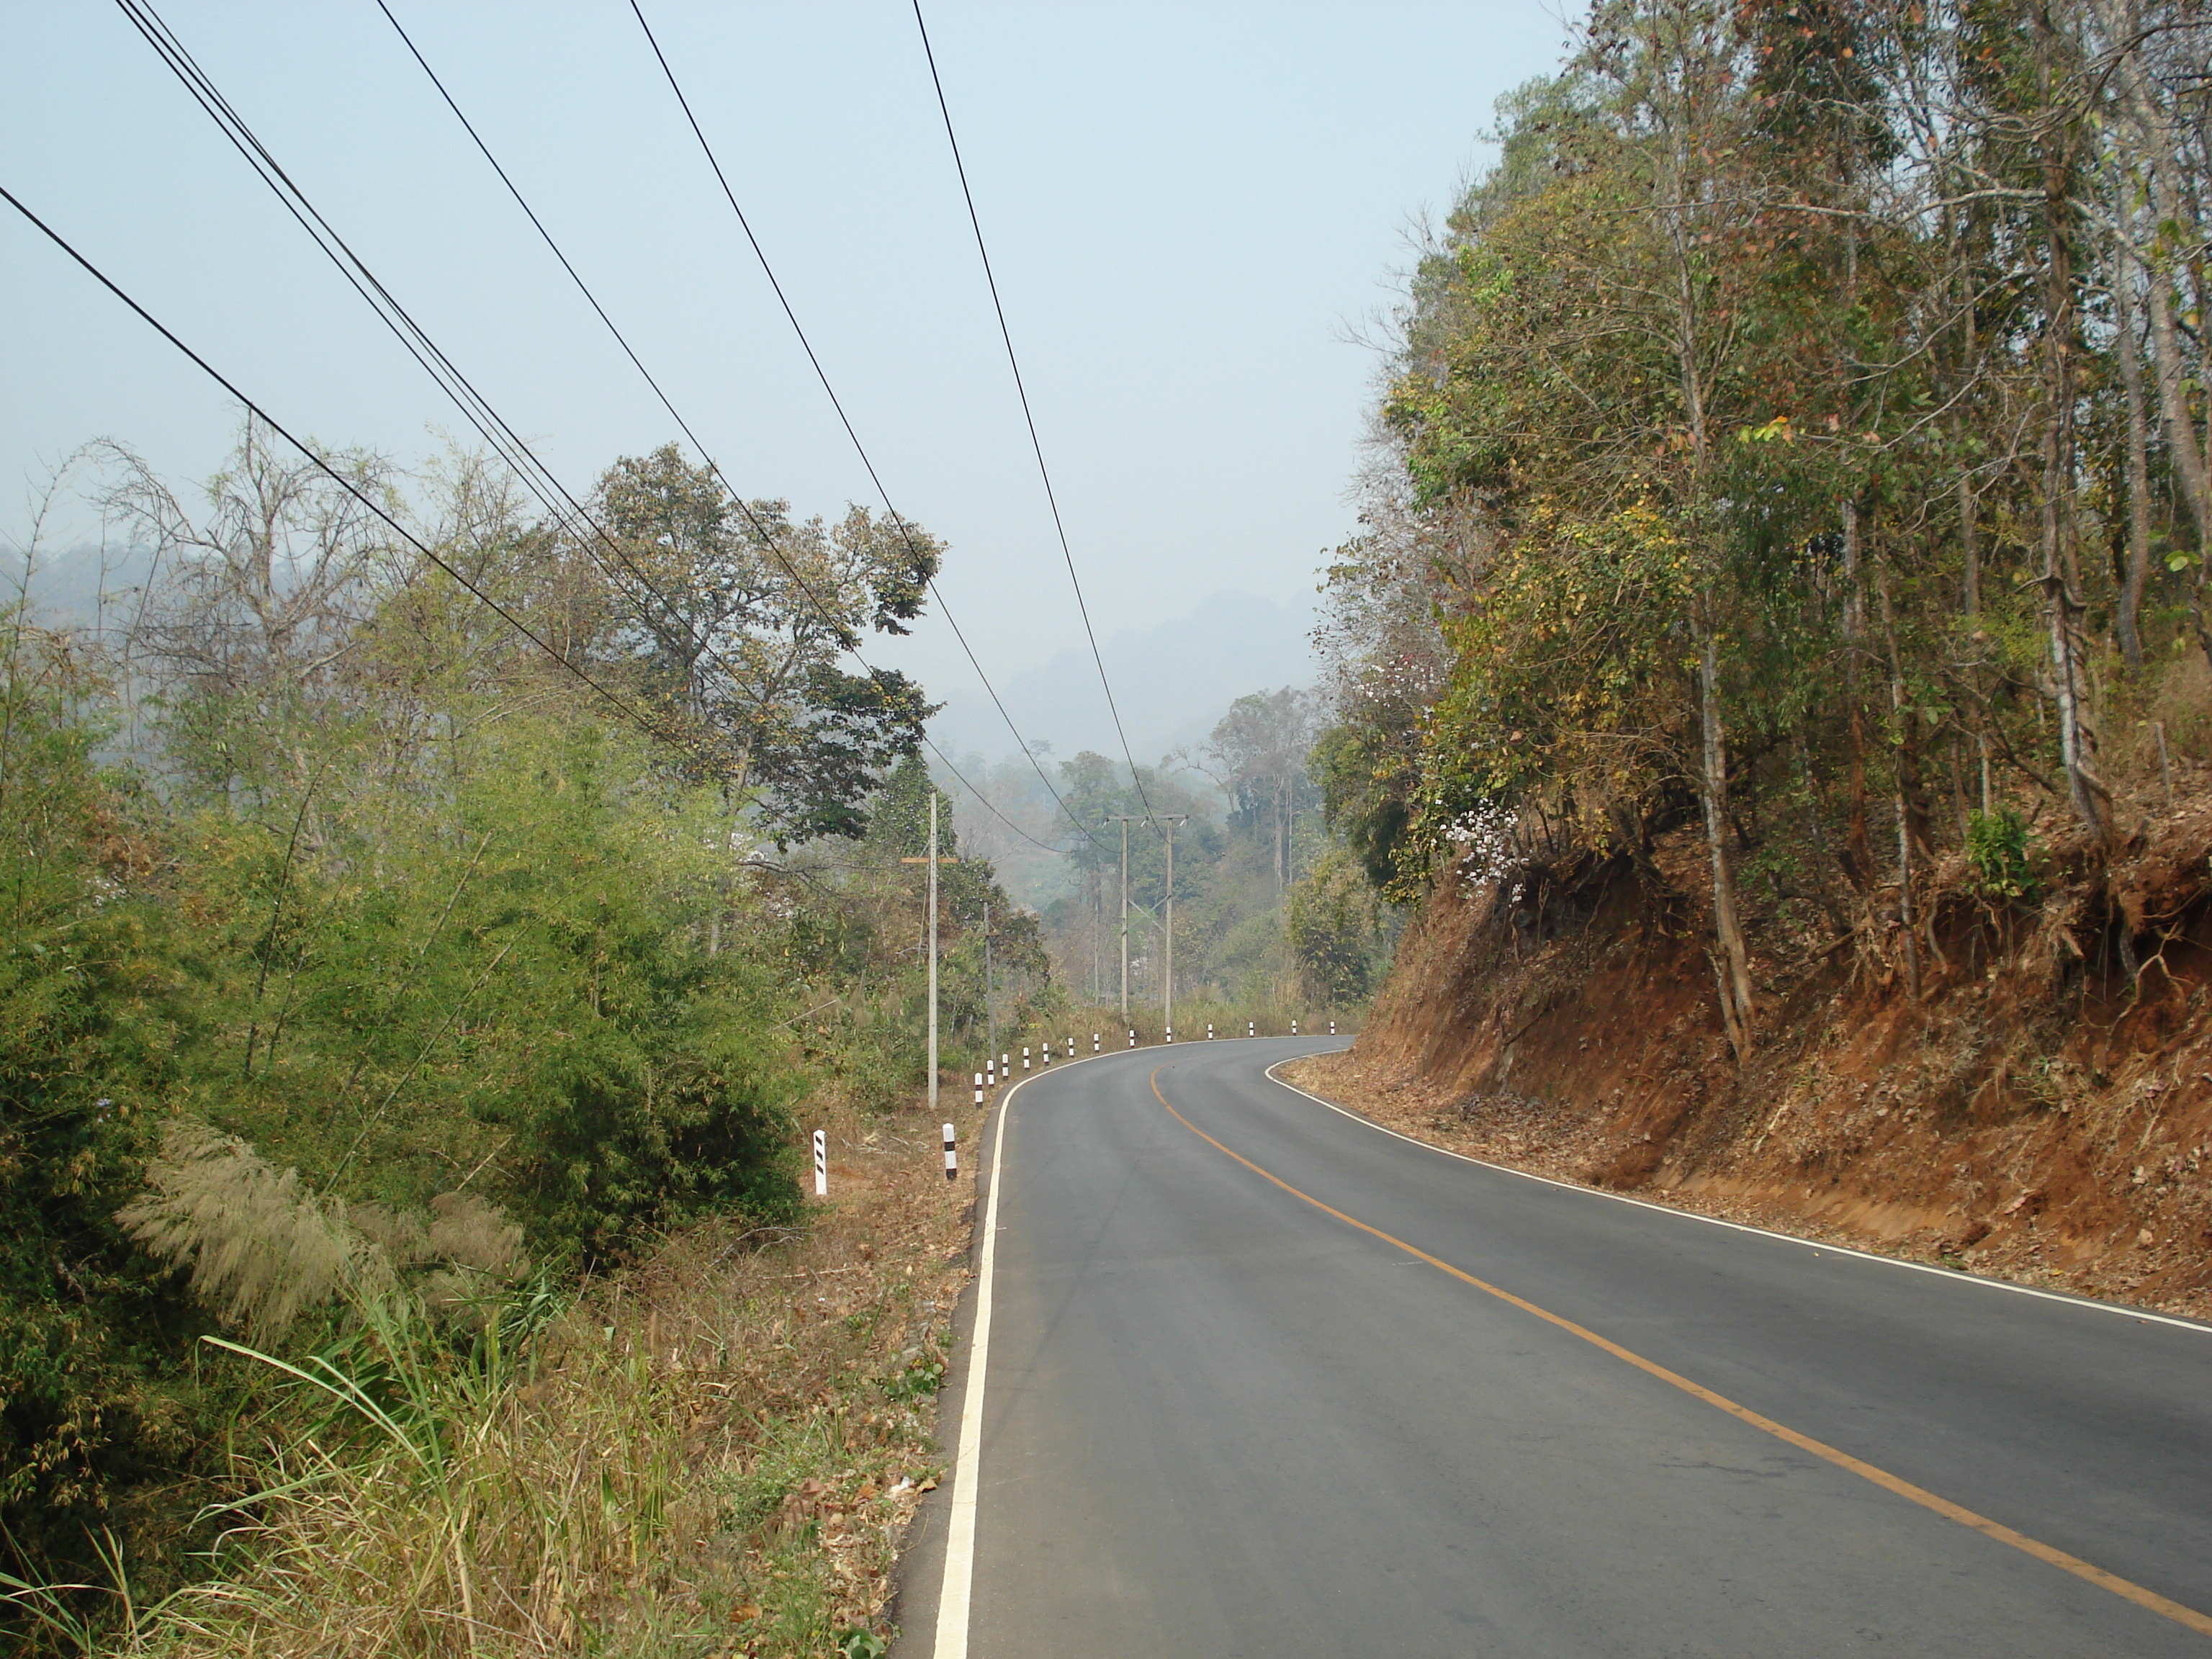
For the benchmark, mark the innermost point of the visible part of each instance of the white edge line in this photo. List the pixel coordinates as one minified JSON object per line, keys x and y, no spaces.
{"x":955,"y":1594}
{"x":1950,"y":1275}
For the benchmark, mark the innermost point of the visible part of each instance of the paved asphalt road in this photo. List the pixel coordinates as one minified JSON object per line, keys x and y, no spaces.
{"x":1220,"y":1420}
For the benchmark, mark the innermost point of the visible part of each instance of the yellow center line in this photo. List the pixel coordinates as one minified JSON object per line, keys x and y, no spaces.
{"x":1843,"y":1460}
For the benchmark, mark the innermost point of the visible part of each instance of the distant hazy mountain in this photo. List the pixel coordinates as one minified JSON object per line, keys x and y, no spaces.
{"x":67,"y":583}
{"x":1172,"y":681}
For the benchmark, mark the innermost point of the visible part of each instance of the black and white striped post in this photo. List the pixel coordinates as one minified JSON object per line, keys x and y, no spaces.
{"x":1332,"y":1028}
{"x":1169,"y":1037}
{"x":952,"y":1158}
{"x":1209,"y":1030}
{"x":1044,"y":1054}
{"x":991,"y":1071}
{"x":1094,"y":1042}
{"x":978,"y":1089}
{"x":1025,"y":1056}
{"x":821,"y":1163}
{"x":1133,"y":1039}
{"x":1294,"y":1028}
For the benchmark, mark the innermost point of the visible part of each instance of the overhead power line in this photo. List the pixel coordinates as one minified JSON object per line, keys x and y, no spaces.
{"x":792,"y":316}
{"x":476,"y":408}
{"x":765,"y":539}
{"x":1028,"y":418}
{"x":493,"y":428}
{"x":486,"y":420}
{"x":630,"y":711}
{"x":637,"y":715}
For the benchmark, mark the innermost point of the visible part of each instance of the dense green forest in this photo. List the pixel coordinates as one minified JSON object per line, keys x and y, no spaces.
{"x":408,"y":891}
{"x":1799,"y":436}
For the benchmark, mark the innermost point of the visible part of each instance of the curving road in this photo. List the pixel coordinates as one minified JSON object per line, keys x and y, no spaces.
{"x":1260,"y":1378}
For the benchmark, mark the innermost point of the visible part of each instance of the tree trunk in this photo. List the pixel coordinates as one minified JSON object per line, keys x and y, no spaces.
{"x":1858,"y":860}
{"x":1733,"y":967}
{"x":2127,"y":622}
{"x":2155,"y":154}
{"x":1970,"y":517}
{"x":2077,"y":739}
{"x":1970,"y":548}
{"x":1900,"y":712}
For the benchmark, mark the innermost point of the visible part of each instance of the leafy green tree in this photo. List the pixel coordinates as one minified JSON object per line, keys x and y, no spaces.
{"x":743,"y":618}
{"x":1337,"y":931}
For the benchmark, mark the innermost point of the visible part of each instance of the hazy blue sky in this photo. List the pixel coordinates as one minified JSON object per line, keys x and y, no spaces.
{"x":1186,"y":204}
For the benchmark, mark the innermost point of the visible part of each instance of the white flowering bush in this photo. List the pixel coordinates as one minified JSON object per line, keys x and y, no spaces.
{"x":1489,"y":846}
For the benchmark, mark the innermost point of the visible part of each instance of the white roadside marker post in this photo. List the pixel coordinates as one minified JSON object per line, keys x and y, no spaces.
{"x":952,"y":1158}
{"x":1006,"y":1066}
{"x":1025,"y":1056}
{"x":1094,"y":1042}
{"x":1294,"y":1028}
{"x":821,"y":1163}
{"x":979,"y":1090}
{"x":1209,"y":1030}
{"x":1251,"y":1028}
{"x":1332,"y":1028}
{"x":991,"y":1071}
{"x":1169,"y":1037}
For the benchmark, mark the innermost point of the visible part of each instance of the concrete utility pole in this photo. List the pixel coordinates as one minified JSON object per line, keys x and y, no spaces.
{"x":1168,"y":999}
{"x":1125,"y":820}
{"x":990,"y":1005}
{"x":932,"y":950}
{"x":933,"y":861}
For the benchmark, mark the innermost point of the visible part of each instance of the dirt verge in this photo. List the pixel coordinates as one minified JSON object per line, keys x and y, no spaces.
{"x":2019,"y":1087}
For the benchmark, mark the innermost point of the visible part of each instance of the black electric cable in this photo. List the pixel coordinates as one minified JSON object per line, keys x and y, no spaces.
{"x":1036,"y":444}
{"x":858,"y":449}
{"x":474,"y":407}
{"x":640,"y":717}
{"x":629,"y":711}
{"x":766,"y":540}
{"x":476,"y":410}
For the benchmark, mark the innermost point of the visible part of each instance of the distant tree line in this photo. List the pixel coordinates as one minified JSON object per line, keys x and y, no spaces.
{"x":1263,"y":919}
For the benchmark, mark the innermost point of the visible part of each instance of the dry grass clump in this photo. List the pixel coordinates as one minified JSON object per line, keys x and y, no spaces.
{"x":472,"y":1234}
{"x":713,"y":1453}
{"x":263,"y":1249}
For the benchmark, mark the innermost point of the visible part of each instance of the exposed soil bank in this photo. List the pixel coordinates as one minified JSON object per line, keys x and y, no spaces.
{"x":2037,"y":1106}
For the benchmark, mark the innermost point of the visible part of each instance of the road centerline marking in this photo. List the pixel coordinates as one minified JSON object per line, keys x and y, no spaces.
{"x":2127,"y":1589}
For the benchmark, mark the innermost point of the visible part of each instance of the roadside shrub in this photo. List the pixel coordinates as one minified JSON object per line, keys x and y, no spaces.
{"x":1997,"y":848}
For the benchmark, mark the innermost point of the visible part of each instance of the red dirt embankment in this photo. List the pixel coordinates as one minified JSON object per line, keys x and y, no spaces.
{"x":2034,"y":1109}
